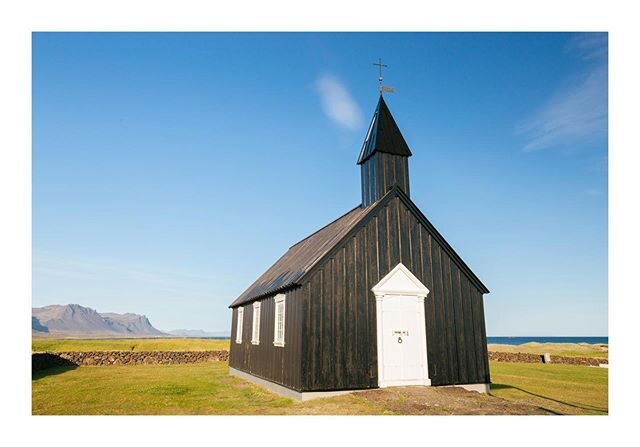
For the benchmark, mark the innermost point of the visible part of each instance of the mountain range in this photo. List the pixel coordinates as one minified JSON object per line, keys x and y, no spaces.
{"x":76,"y":320}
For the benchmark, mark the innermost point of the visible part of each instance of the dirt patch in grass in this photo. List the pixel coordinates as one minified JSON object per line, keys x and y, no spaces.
{"x":443,"y":401}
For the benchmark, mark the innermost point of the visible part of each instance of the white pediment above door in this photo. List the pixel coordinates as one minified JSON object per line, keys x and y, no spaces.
{"x":400,"y":281}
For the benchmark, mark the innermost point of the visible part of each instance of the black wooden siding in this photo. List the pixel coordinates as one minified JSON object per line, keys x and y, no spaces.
{"x":339,"y":349}
{"x":380,"y":172}
{"x":279,"y":364}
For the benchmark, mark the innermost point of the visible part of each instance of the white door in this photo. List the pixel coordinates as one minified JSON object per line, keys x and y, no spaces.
{"x":402,"y":335}
{"x":403,"y":345}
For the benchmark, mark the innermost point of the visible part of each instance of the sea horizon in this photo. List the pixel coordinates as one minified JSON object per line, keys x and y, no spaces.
{"x":518,"y":340}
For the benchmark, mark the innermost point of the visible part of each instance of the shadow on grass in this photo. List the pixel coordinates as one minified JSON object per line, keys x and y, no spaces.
{"x":48,"y":364}
{"x":37,"y":375}
{"x":500,"y":386}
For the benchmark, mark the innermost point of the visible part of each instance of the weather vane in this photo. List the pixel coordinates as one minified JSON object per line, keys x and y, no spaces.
{"x":383,"y":89}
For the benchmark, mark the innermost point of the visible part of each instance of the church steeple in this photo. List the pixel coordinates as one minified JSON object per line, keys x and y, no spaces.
{"x":384,"y":157}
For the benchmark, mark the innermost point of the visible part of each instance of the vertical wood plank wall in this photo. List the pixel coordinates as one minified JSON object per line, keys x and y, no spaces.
{"x":380,"y":172}
{"x":339,"y":332}
{"x":279,"y":364}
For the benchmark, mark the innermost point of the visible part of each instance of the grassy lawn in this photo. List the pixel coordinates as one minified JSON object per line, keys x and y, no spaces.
{"x":206,"y":388}
{"x":563,"y":349}
{"x":565,"y":389}
{"x":155,"y":344}
{"x":202,"y":388}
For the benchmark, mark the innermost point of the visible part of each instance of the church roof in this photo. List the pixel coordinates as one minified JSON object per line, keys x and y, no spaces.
{"x":301,"y":257}
{"x":383,"y":135}
{"x":288,"y":271}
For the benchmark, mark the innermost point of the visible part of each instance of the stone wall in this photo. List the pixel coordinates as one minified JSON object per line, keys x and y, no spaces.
{"x":521,"y":357}
{"x":589,"y":361}
{"x":43,"y":360}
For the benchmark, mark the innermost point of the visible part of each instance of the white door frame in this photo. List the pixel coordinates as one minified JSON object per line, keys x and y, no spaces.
{"x":400,"y":281}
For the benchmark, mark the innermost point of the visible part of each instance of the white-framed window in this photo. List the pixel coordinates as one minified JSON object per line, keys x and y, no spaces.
{"x":239,"y":325}
{"x":255,"y":330}
{"x":278,"y":332}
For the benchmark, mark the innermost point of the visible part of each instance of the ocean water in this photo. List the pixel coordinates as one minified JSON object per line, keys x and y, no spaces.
{"x":521,"y":340}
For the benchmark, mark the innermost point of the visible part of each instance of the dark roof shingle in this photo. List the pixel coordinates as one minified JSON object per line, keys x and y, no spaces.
{"x":300,"y":258}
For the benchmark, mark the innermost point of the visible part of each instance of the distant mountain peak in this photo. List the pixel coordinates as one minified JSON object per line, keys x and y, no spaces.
{"x":77,"y":320}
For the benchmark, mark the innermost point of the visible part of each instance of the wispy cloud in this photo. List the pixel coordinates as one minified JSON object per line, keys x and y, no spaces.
{"x":578,"y":112}
{"x":106,"y":269}
{"x":338,"y":103}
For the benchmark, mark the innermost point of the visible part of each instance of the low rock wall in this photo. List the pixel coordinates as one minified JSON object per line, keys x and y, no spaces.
{"x":44,"y":360}
{"x":589,"y":361}
{"x":521,"y":357}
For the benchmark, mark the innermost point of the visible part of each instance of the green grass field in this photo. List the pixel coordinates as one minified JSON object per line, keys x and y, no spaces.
{"x":206,"y":388}
{"x":153,"y":344}
{"x":202,"y":388}
{"x":563,"y":349}
{"x":564,"y":389}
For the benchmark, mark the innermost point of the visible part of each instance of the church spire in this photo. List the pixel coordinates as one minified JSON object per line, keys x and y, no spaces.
{"x":384,"y":156}
{"x":383,"y":135}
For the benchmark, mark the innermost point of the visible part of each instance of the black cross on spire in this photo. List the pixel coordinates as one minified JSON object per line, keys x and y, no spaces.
{"x":380,"y":65}
{"x":383,"y":89}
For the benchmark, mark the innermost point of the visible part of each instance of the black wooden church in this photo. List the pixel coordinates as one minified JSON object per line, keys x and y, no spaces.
{"x":375,"y":298}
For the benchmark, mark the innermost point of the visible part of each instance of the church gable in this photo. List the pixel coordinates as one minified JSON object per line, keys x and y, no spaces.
{"x":401,"y":221}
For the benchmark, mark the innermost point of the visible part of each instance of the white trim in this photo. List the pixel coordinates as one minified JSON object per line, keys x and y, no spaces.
{"x":380,"y":350}
{"x":239,"y":324}
{"x":394,"y":284}
{"x":255,"y":324}
{"x":423,"y":335}
{"x":279,"y":299}
{"x":385,"y":286}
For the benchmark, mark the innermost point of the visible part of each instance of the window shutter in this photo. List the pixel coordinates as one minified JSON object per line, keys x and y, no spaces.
{"x":255,"y":330}
{"x":279,"y":323}
{"x":239,"y":325}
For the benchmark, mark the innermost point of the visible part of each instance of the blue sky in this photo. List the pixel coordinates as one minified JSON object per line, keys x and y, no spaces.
{"x":170,"y":170}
